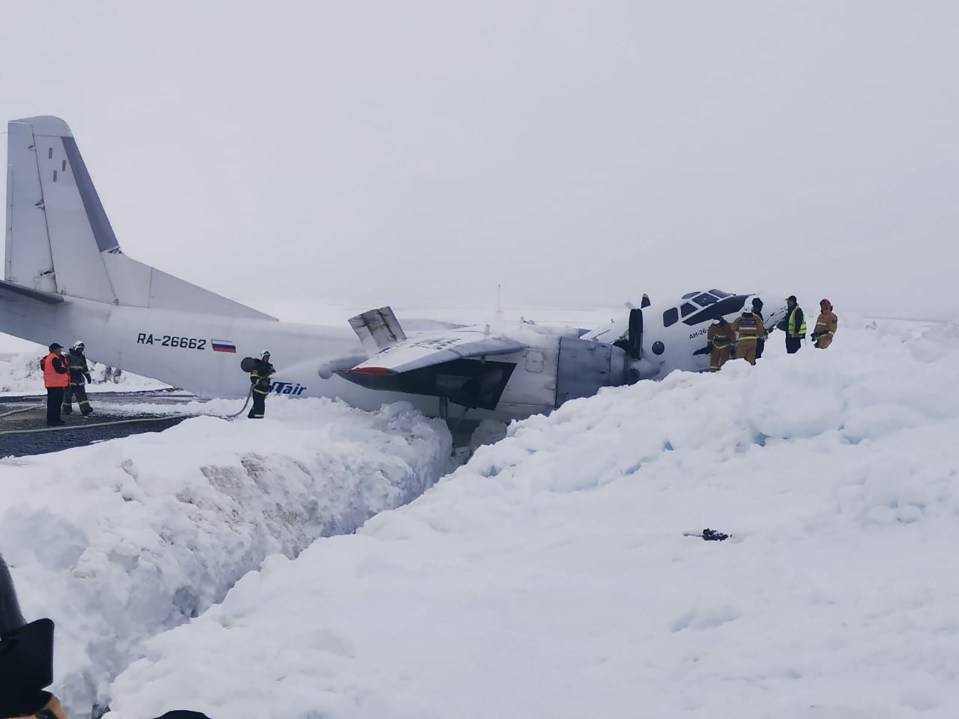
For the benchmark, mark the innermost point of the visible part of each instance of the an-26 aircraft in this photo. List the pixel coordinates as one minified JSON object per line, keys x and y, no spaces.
{"x":66,"y":276}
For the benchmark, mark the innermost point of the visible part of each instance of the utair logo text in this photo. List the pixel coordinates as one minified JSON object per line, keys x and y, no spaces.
{"x":289,"y":388}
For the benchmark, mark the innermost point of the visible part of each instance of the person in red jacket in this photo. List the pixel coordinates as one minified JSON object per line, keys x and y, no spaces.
{"x":56,"y":378}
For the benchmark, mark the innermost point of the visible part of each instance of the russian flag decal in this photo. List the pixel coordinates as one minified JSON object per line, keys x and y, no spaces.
{"x":223,"y":346}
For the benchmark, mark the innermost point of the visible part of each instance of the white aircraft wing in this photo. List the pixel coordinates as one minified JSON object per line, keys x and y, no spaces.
{"x":419,"y":352}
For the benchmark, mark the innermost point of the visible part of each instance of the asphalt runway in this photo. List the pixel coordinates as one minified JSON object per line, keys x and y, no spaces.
{"x":23,"y":429}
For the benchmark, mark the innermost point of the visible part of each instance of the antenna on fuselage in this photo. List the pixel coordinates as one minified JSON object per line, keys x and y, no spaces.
{"x":499,"y":302}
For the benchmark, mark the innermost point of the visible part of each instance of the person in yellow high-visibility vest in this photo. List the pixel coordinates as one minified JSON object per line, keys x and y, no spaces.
{"x":794,"y":325}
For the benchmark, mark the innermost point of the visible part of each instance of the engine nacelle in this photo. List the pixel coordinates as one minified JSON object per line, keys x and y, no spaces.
{"x":585,"y":366}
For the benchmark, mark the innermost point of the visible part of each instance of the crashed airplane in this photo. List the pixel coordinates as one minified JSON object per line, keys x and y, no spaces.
{"x":65,"y":276}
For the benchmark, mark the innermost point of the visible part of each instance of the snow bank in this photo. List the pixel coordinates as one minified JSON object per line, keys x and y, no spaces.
{"x":21,"y":374}
{"x":123,"y":539}
{"x":549,"y":577}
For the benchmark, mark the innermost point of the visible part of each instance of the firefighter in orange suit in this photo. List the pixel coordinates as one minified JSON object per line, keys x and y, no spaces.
{"x":825,"y":325}
{"x":748,"y":330}
{"x":720,"y":337}
{"x":56,"y":378}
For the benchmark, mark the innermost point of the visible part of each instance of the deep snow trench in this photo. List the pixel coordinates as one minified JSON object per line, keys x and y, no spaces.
{"x":119,"y":541}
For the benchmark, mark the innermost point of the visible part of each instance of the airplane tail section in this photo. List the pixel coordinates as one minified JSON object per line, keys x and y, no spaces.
{"x":59,"y":239}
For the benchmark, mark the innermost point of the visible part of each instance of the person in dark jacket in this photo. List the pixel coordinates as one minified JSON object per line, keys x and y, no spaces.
{"x":26,"y":659}
{"x":79,"y":376}
{"x":260,"y":381}
{"x":56,"y":378}
{"x":26,"y":662}
{"x":794,"y":325}
{"x":761,"y":340}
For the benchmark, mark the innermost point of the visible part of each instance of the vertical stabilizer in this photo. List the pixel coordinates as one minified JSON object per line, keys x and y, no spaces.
{"x":54,"y":214}
{"x":59,"y":239}
{"x":29,"y":261}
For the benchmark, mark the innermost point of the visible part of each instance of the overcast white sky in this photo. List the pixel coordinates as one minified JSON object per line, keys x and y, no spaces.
{"x":575,"y":152}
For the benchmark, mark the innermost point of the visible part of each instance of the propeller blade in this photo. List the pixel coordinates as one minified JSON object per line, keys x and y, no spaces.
{"x":634,"y":334}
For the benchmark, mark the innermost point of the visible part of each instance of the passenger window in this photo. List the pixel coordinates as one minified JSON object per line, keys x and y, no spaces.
{"x":688,"y":309}
{"x":670,"y":317}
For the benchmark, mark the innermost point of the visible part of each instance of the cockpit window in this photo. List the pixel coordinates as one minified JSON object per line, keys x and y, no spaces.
{"x":670,"y":317}
{"x":691,"y":294}
{"x":720,"y":293}
{"x":704,"y":299}
{"x":688,"y":309}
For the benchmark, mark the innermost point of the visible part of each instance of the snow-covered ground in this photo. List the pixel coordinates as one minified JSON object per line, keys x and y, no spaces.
{"x":121,"y":540}
{"x":550,"y":575}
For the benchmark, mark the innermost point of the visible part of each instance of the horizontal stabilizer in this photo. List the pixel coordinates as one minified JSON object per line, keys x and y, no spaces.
{"x":437,"y":349}
{"x":377,"y":329}
{"x":47,"y":298}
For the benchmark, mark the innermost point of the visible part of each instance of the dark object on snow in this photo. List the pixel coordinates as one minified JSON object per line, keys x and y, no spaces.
{"x":183,"y":714}
{"x":711,"y":535}
{"x":11,"y":618}
{"x":26,"y":655}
